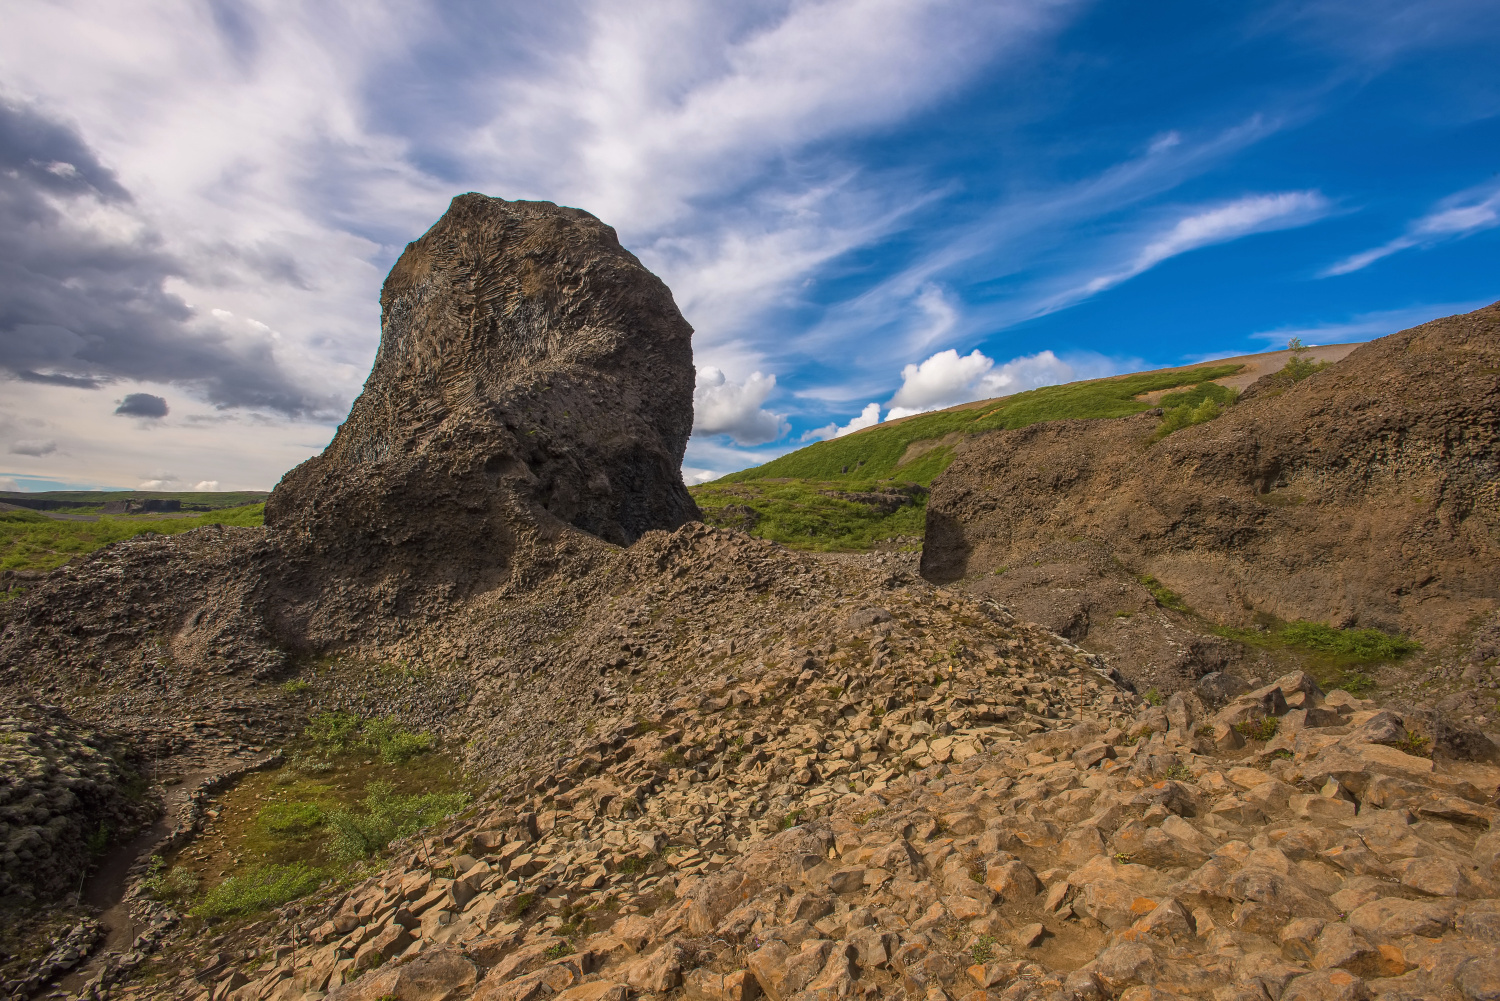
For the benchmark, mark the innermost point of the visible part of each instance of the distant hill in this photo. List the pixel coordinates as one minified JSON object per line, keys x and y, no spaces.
{"x":91,"y":501}
{"x":855,"y":491}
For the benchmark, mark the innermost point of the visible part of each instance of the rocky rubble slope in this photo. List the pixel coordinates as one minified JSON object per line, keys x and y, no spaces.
{"x":1367,"y":494}
{"x":1011,"y":825}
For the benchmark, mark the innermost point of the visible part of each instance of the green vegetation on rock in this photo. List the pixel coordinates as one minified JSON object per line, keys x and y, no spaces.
{"x":32,"y":541}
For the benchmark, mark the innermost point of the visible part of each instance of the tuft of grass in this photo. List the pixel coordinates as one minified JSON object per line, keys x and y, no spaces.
{"x":1334,"y":655}
{"x":1153,"y":697}
{"x":296,"y":686}
{"x":983,"y":949}
{"x":31,"y":541}
{"x":1361,"y":646}
{"x":522,"y":904}
{"x":290,"y":818}
{"x":1165,"y":596}
{"x":259,"y":889}
{"x":1415,"y":744}
{"x":557,"y":951}
{"x":1179,"y":772}
{"x":789,"y":821}
{"x":1261,"y":728}
{"x":386,"y":817}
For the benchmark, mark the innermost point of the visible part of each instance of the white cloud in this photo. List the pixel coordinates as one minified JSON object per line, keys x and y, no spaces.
{"x":206,"y":485}
{"x":702,"y":132}
{"x":947,"y":379}
{"x":1457,"y":216}
{"x":10,"y":485}
{"x":33,"y":448}
{"x":1220,"y":224}
{"x":734,"y":408}
{"x":867,"y":418}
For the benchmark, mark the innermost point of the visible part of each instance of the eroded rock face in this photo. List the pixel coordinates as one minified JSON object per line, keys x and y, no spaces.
{"x":1364,"y":495}
{"x":532,"y":375}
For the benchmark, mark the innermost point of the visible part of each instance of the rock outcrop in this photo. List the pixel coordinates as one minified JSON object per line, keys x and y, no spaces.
{"x":532,"y":375}
{"x":1367,"y":494}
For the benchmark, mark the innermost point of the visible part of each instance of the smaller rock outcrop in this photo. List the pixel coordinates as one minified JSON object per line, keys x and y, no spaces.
{"x":1366,"y":494}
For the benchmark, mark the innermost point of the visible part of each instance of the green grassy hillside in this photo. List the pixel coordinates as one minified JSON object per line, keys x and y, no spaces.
{"x":33,"y":541}
{"x":850,"y":492}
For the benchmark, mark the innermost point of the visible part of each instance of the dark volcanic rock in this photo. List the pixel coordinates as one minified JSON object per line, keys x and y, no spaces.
{"x":532,"y":374}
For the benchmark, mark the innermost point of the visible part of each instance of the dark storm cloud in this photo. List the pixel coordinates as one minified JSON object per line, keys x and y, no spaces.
{"x":81,"y":305}
{"x":142,"y":405}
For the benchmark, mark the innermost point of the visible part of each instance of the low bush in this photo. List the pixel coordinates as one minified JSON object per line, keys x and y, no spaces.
{"x":386,"y":817}
{"x":337,"y":731}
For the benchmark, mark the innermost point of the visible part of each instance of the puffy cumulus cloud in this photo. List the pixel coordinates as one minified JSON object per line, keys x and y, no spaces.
{"x":867,"y":418}
{"x":33,"y":448}
{"x":721,"y":406}
{"x":143,"y":405}
{"x":84,"y":297}
{"x":948,"y":378}
{"x":206,"y":485}
{"x":1457,"y":216}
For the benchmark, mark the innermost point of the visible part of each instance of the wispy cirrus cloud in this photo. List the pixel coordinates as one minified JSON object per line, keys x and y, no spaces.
{"x":1206,"y":226}
{"x":1455,"y":217}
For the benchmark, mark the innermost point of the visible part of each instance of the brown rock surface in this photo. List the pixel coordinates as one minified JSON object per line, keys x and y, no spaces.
{"x":1365,"y":495}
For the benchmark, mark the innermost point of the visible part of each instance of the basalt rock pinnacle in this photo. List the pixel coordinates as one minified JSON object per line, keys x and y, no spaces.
{"x":532,"y":375}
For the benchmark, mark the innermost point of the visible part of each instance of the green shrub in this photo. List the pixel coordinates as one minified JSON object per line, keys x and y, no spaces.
{"x":261,"y":888}
{"x":385,"y":818}
{"x":174,"y":885}
{"x":395,"y":745}
{"x":1199,"y":405}
{"x":296,"y":686}
{"x":983,"y":949}
{"x":339,"y":731}
{"x":333,"y":731}
{"x":1153,"y":697}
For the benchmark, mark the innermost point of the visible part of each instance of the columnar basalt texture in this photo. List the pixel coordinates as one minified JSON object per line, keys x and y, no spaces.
{"x":1366,"y":494}
{"x":532,"y":375}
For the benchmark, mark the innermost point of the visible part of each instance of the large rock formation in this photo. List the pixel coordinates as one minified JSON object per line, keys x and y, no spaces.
{"x":1367,"y":494}
{"x":532,"y":375}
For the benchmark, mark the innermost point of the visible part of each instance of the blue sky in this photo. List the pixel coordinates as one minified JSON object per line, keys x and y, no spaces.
{"x":864,"y":207}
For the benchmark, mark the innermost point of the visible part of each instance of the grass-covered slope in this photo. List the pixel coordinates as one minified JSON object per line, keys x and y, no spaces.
{"x":33,"y":541}
{"x":881,"y":452}
{"x":848,"y":493}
